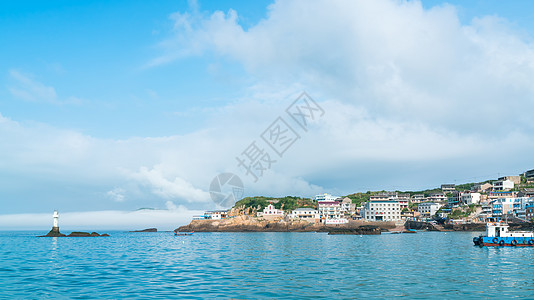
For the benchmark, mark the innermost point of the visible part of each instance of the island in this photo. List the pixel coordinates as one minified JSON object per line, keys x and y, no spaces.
{"x":146,"y":230}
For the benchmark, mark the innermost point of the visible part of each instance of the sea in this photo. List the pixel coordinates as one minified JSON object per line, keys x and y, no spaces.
{"x":264,"y":265}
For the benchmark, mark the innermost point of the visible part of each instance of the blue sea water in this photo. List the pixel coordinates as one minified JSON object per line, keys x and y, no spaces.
{"x":261,"y":265}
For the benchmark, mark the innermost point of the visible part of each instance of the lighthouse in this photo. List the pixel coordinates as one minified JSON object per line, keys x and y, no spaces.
{"x":56,"y":222}
{"x":55,"y":227}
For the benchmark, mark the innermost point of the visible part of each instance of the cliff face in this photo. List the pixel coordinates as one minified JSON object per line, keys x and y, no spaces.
{"x":246,"y":223}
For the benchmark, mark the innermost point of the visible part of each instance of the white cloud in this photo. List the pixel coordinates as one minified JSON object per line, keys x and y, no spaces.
{"x":395,"y":59}
{"x":170,"y":188}
{"x":117,"y":194}
{"x":25,"y":87}
{"x":30,"y":89}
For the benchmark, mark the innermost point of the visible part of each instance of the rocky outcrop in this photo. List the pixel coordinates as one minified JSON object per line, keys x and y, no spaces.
{"x":465,"y":227}
{"x":362,"y":230}
{"x":420,"y":226}
{"x":245,"y":223}
{"x":54,"y":233}
{"x":85,"y":234}
{"x":146,"y":230}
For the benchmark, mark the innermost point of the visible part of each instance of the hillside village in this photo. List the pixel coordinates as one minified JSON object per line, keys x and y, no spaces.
{"x":507,"y":197}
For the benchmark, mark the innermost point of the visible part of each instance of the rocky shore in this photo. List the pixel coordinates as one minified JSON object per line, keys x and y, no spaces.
{"x":245,"y":223}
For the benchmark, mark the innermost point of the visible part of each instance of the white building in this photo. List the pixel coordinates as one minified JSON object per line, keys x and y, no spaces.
{"x":308,"y":214}
{"x":437,"y":197}
{"x":216,"y":214}
{"x":501,"y":207}
{"x":428,"y":208}
{"x":448,"y":188}
{"x":417,"y":198}
{"x":382,"y":211}
{"x":329,"y":210}
{"x":470,"y":198}
{"x":271,"y":212}
{"x":482,"y":187}
{"x":325,"y":197}
{"x":503,"y":185}
{"x":347,"y":207}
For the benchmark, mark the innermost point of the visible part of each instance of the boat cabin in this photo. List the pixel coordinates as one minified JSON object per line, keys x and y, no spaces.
{"x":499,"y":229}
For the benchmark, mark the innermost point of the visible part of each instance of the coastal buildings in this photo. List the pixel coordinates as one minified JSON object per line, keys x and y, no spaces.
{"x":380,"y":197}
{"x":503,"y":185}
{"x":499,"y":208}
{"x":308,"y":214}
{"x":428,"y":208}
{"x":417,"y":198}
{"x":270,"y":212}
{"x":493,"y":195}
{"x":482,"y":187}
{"x":347,"y":207}
{"x":212,"y":215}
{"x":329,"y":210}
{"x":448,"y":188}
{"x":486,"y":212}
{"x":437,"y":197}
{"x":515,"y":179}
{"x":454,"y":199}
{"x":529,"y":174}
{"x":528,"y":192}
{"x":529,"y":210}
{"x":469,"y":198}
{"x":216,"y":214}
{"x":382,"y":210}
{"x":325,"y":197}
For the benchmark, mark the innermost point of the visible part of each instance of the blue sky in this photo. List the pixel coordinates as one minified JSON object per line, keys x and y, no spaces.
{"x":129,"y":104}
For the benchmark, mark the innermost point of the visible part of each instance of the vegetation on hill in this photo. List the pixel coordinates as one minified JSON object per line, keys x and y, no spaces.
{"x":359,"y":198}
{"x":287,"y":203}
{"x":463,"y":212}
{"x":427,"y":192}
{"x":464,"y":187}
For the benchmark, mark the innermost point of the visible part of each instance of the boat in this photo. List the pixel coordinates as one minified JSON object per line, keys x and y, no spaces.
{"x":183,"y":233}
{"x":498,"y":234}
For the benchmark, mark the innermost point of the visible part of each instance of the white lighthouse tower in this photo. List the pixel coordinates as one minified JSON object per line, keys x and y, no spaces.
{"x":56,"y":222}
{"x":55,"y":228}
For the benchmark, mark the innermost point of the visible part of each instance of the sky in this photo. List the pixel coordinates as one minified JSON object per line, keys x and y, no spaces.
{"x":109,"y":108}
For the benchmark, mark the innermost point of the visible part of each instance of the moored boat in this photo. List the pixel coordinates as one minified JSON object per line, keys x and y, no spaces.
{"x":176,"y":233}
{"x":498,"y":234}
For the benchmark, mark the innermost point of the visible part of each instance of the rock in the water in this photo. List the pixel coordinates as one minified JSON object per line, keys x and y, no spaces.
{"x":85,"y":234}
{"x":55,"y":233}
{"x":146,"y":230}
{"x":362,"y":230}
{"x":79,"y":234}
